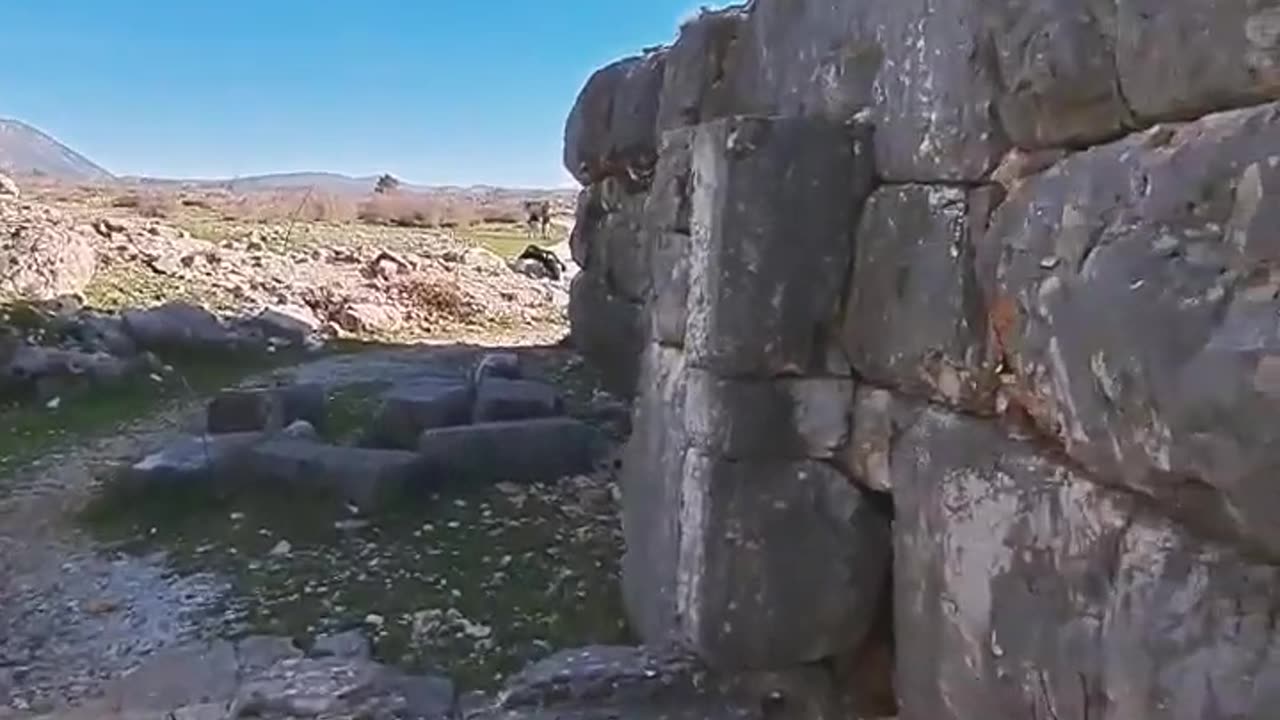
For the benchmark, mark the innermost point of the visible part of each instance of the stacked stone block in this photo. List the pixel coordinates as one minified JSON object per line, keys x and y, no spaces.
{"x":1051,"y":341}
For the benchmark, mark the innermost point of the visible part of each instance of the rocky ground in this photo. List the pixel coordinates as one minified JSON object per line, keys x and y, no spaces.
{"x":121,"y":600}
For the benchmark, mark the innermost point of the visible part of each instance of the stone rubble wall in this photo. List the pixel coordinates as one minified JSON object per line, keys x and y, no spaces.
{"x":980,"y":295}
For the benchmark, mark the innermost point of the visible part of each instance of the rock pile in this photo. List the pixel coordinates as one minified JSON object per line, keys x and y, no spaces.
{"x":491,"y":427}
{"x":983,"y":288}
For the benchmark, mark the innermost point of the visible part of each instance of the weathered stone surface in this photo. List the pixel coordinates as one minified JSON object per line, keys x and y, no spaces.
{"x":519,"y":451}
{"x":192,"y":675}
{"x":609,"y":331}
{"x":295,"y":323}
{"x":350,"y":644}
{"x":368,"y":478}
{"x":1182,"y":58}
{"x":502,"y":400}
{"x":343,"y":688}
{"x":802,"y":58}
{"x":43,"y":261}
{"x":667,"y":205}
{"x":915,"y":318}
{"x":8,"y":188}
{"x":267,"y":408}
{"x":608,"y":682}
{"x":879,"y":418}
{"x":612,"y":129}
{"x":424,"y":404}
{"x":212,"y":459}
{"x":774,"y":419}
{"x":781,"y":562}
{"x":1133,"y":306}
{"x":652,"y":473}
{"x":667,"y":224}
{"x":609,"y":236}
{"x":369,"y":317}
{"x":934,"y":100}
{"x":181,"y":327}
{"x":1057,"y":71}
{"x":773,"y":200}
{"x":505,"y":365}
{"x":1024,"y":589}
{"x":694,"y":89}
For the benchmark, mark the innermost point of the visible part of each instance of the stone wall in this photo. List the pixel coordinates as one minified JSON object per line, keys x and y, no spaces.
{"x":967,"y":310}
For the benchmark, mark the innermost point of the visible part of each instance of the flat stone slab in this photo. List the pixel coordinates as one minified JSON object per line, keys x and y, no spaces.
{"x":500,"y":400}
{"x":519,"y":451}
{"x":364,"y":476}
{"x":200,"y":458}
{"x":425,"y":404}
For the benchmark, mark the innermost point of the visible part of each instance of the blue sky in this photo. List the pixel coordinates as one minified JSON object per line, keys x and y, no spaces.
{"x":434,"y":91}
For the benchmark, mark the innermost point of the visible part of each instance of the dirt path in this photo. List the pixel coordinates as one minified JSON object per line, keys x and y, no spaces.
{"x":77,"y":608}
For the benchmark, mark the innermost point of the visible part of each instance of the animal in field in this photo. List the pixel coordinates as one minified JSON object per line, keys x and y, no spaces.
{"x":537,"y":217}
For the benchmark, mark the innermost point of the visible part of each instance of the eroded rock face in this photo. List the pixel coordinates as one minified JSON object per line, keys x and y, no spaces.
{"x":1026,"y":590}
{"x":44,"y":261}
{"x":612,"y":130}
{"x":1138,"y":315}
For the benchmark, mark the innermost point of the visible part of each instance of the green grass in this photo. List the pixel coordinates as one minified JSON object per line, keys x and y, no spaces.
{"x":476,"y":584}
{"x":505,"y":240}
{"x":33,"y":429}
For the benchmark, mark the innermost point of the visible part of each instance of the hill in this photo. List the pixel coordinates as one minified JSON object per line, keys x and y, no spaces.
{"x":25,"y":150}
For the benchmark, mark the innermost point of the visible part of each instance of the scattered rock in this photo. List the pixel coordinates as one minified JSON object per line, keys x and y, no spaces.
{"x":505,"y":365}
{"x":349,"y":645}
{"x":369,"y":318}
{"x":295,"y":323}
{"x":44,"y":260}
{"x":9,"y":188}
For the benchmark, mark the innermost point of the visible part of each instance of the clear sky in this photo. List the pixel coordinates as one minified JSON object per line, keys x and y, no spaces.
{"x":433,"y":91}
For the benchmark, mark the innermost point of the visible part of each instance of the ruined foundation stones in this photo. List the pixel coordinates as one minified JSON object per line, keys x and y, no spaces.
{"x":989,"y":282}
{"x":488,"y":427}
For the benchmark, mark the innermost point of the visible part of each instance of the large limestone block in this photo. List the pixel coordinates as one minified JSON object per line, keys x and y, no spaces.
{"x":1025,"y":590}
{"x":934,"y":99}
{"x":1182,"y":58}
{"x":915,"y":318}
{"x":1057,"y":69}
{"x":667,"y":225}
{"x":652,"y":471}
{"x":694,"y":89}
{"x":1135,"y":307}
{"x":781,"y":562}
{"x":607,"y":238}
{"x":773,"y":200}
{"x":612,"y":129}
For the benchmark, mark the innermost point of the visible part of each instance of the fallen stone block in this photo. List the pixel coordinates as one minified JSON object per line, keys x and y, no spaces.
{"x":204,"y":459}
{"x":1020,"y":583}
{"x":191,"y":675}
{"x":295,"y":323}
{"x":520,"y":451}
{"x":425,"y":404}
{"x":501,"y":400}
{"x":781,"y":563}
{"x":267,"y":408}
{"x":368,"y":478}
{"x":773,"y":200}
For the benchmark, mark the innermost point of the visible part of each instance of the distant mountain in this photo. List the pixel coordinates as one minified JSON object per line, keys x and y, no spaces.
{"x":24,"y":150}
